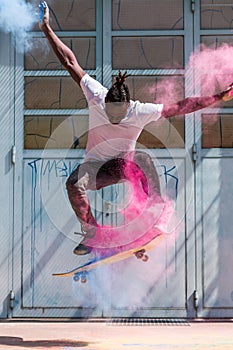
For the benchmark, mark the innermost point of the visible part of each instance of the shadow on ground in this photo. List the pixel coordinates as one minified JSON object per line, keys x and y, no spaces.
{"x":58,"y":343}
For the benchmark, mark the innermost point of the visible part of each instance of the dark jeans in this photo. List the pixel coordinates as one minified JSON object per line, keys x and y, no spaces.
{"x":96,"y":175}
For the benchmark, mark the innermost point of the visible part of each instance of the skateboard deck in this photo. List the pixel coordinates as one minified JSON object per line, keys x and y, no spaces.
{"x":80,"y":273}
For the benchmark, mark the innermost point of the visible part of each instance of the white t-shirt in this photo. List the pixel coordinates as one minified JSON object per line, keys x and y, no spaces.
{"x":107,"y":140}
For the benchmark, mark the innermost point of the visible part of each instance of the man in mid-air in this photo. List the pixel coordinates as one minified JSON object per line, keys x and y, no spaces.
{"x":115,"y":123}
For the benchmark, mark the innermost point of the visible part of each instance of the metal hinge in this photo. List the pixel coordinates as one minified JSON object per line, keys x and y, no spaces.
{"x":11,"y":299}
{"x":194,"y":152}
{"x":193,"y":5}
{"x":13,"y":154}
{"x":195,"y":299}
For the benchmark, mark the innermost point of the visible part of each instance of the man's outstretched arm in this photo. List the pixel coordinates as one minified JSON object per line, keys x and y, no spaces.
{"x":192,"y":104}
{"x":63,"y":53}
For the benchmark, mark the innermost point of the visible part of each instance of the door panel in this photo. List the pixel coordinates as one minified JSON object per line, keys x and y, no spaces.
{"x":213,"y":135}
{"x":48,"y":240}
{"x":216,"y":241}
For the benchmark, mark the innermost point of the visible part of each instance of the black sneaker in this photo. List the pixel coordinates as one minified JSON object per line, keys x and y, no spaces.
{"x":82,"y":249}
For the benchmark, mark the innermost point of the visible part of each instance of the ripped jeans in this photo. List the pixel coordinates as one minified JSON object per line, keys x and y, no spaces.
{"x":94,"y":175}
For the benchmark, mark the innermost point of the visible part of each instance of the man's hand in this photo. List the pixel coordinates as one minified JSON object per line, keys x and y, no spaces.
{"x":227,"y":95}
{"x":44,"y":14}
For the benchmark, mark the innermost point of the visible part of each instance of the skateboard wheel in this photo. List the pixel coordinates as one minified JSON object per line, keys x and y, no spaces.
{"x":83,"y":277}
{"x":140,"y":254}
{"x":76,"y":278}
{"x":145,"y":258}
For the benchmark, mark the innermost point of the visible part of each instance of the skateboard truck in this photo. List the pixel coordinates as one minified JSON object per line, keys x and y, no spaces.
{"x":80,"y":276}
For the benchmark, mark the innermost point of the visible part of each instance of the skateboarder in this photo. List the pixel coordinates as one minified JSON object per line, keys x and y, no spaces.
{"x":115,"y":123}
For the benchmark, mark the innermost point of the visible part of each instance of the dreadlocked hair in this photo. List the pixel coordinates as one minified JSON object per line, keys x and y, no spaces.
{"x":119,"y":92}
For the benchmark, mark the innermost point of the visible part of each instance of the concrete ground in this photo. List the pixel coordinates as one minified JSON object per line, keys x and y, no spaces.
{"x":115,"y":336}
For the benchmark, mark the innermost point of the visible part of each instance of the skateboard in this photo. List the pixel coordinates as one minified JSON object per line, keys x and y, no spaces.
{"x":80,"y":273}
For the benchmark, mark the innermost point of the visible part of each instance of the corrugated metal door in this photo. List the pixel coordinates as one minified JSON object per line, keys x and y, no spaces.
{"x":51,"y":135}
{"x":214,"y":163}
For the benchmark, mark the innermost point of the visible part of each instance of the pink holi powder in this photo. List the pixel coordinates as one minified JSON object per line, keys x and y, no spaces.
{"x":143,"y":219}
{"x":209,"y":71}
{"x":167,"y":90}
{"x":122,"y":238}
{"x":213,"y":68}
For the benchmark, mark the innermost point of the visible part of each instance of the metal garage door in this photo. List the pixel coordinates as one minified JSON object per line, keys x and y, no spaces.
{"x":51,"y":125}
